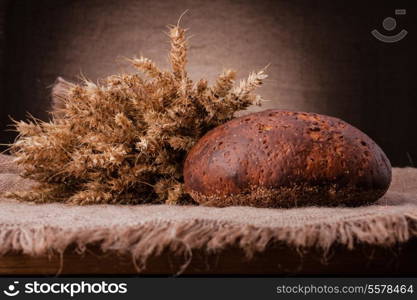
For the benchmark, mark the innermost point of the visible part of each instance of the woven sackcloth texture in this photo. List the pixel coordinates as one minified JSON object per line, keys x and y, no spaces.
{"x":146,"y":230}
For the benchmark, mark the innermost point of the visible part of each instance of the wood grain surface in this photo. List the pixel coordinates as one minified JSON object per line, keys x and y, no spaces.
{"x":277,"y":260}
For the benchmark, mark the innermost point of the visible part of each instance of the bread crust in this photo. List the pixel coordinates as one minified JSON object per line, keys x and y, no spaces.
{"x":278,"y":158}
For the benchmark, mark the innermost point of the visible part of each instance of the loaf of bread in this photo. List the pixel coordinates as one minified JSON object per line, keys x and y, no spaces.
{"x":279,"y":158}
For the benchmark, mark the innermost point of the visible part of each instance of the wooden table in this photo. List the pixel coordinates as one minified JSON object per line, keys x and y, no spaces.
{"x":277,"y":260}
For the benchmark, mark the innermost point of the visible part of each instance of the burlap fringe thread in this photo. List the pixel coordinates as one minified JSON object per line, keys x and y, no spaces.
{"x":153,"y":238}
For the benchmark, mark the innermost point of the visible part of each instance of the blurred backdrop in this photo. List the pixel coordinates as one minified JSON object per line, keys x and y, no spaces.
{"x":322,"y":55}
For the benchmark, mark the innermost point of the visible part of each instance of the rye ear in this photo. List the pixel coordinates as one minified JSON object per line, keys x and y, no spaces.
{"x":59,"y":94}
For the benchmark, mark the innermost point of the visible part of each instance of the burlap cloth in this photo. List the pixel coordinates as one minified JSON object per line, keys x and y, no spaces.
{"x":146,"y":230}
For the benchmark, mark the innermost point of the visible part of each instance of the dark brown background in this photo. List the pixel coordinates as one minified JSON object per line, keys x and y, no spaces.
{"x":322,"y":55}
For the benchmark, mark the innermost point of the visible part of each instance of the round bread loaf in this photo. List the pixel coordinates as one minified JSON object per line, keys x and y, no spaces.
{"x":279,"y":158}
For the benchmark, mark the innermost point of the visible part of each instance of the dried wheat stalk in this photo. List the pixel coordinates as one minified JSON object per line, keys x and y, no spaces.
{"x":124,"y":139}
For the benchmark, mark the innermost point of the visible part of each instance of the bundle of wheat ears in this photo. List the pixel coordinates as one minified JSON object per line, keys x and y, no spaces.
{"x":125,"y":138}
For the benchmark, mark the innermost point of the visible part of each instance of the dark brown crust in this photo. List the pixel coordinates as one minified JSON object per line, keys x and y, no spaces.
{"x":281,"y":158}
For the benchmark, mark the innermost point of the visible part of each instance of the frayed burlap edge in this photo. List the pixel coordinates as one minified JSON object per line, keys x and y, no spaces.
{"x":150,"y":239}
